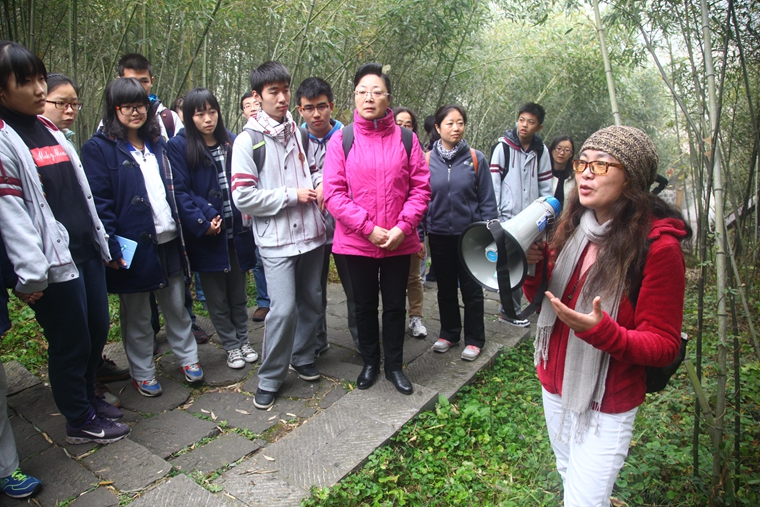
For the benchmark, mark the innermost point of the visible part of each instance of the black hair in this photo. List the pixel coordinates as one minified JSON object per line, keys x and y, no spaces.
{"x":429,"y":123}
{"x":18,"y":60}
{"x":397,"y":110}
{"x":247,"y":95}
{"x":534,"y":109}
{"x":124,"y":91}
{"x":200,"y":99}
{"x":444,"y":111}
{"x":269,"y":73}
{"x":134,"y":61}
{"x":177,"y":104}
{"x":56,"y":79}
{"x":313,"y":87}
{"x":373,"y":68}
{"x":554,"y":144}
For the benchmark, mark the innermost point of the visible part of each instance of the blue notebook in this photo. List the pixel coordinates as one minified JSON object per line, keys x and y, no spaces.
{"x":127,"y":249}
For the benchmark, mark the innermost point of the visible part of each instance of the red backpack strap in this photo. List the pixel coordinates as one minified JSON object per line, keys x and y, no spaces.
{"x":474,"y":161}
{"x":427,"y":158}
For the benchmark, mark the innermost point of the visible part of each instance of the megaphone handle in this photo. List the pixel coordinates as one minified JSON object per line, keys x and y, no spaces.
{"x":532,"y":267}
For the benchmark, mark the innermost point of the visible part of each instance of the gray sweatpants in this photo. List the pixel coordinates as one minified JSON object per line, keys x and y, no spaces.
{"x":345,"y":280}
{"x":8,"y":454}
{"x":290,"y":331}
{"x":227,"y":303}
{"x":137,"y":333}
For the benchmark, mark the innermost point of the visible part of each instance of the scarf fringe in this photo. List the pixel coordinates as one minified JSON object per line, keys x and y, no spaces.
{"x":541,"y":346}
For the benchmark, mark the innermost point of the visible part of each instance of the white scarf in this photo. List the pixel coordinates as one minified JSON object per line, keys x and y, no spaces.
{"x":279,"y":130}
{"x":586,"y":367}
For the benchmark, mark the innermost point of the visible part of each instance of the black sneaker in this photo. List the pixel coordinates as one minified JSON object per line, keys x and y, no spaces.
{"x":105,"y":409}
{"x":306,"y":371}
{"x":109,"y":371}
{"x":264,"y":399}
{"x":97,"y":429}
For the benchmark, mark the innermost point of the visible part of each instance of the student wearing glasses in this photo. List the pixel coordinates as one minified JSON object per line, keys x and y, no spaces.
{"x":131,"y":179}
{"x":562,"y":151}
{"x":62,"y":104}
{"x":614,"y":305}
{"x":377,"y":194}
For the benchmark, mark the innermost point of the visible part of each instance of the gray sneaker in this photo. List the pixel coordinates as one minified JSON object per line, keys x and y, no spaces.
{"x":249,"y":355}
{"x":235,"y":359}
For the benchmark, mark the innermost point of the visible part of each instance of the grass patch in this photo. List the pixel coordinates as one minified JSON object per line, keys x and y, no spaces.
{"x":491,"y":448}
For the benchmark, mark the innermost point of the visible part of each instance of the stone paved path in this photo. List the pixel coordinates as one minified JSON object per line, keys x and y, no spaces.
{"x":211,"y":447}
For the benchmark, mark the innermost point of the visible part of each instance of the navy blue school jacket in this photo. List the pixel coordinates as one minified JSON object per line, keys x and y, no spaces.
{"x":124,"y":208}
{"x":199,"y":198}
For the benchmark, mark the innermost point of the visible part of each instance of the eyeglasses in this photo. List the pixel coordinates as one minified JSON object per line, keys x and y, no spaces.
{"x":321,"y":107}
{"x":251,"y":105}
{"x":130,"y":110}
{"x":371,"y":93}
{"x":563,"y":150}
{"x":65,"y":105}
{"x":598,"y":167}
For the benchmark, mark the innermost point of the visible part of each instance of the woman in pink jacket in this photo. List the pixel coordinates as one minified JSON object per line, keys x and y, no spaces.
{"x":377,"y":193}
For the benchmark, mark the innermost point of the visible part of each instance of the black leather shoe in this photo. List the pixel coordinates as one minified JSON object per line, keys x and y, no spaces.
{"x":367,"y":376}
{"x":399,"y":380}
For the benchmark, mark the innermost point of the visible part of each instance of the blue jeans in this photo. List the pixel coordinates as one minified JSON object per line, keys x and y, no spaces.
{"x":262,"y":296}
{"x":74,"y":317}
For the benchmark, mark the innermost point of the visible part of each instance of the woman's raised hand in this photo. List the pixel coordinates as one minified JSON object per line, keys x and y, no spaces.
{"x":535,"y":252}
{"x":578,"y":322}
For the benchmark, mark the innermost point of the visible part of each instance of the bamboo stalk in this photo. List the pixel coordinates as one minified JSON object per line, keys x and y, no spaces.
{"x":607,"y":67}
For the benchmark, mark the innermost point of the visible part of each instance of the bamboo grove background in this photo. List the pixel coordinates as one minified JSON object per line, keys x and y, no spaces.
{"x":685,"y":71}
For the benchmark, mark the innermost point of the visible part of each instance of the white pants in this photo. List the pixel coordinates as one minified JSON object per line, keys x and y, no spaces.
{"x":588,"y":468}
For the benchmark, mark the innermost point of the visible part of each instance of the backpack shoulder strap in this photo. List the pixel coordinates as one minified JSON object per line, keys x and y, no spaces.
{"x":305,"y":139}
{"x":427,"y":158}
{"x":505,"y":147}
{"x":348,"y":139}
{"x":407,"y":137}
{"x":475,"y":166}
{"x":259,"y":148}
{"x":168,"y":120}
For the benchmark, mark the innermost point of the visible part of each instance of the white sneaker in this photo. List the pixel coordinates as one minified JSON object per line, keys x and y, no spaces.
{"x":442,"y":345}
{"x":417,"y":327}
{"x":249,"y":355}
{"x":470,"y":353}
{"x":235,"y":359}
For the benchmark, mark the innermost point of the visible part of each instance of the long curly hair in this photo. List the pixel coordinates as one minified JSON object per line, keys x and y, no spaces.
{"x":622,"y":253}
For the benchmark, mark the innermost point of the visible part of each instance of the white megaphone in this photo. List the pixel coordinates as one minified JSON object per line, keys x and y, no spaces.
{"x":479,"y":253}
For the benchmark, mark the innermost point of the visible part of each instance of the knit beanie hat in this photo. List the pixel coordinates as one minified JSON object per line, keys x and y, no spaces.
{"x":632,"y":147}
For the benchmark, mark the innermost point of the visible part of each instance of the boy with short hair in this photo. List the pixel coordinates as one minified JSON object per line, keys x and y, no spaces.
{"x":314,"y":98}
{"x":284,"y":197}
{"x":521,"y":173}
{"x":248,"y":105}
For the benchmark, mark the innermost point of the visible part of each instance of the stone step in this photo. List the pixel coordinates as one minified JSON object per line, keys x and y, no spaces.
{"x":327,"y":447}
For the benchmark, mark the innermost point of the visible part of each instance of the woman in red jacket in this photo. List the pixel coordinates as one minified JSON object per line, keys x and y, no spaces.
{"x":614,"y":306}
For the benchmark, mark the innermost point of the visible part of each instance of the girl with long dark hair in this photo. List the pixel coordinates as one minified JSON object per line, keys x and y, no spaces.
{"x":561,"y":153}
{"x":56,"y":246}
{"x":614,"y":306}
{"x":131,"y":179}
{"x":219,"y":245}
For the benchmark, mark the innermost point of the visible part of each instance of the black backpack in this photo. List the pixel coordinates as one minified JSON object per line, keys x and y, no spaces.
{"x":407,"y":137}
{"x":505,"y":147}
{"x":657,"y":377}
{"x":259,"y":146}
{"x":167,"y":118}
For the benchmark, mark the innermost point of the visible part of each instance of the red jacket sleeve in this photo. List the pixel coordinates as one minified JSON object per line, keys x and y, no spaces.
{"x":655,"y":337}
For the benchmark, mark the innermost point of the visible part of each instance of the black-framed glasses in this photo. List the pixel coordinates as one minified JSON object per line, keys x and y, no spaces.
{"x":377,"y":94}
{"x":59,"y":104}
{"x":598,"y":167}
{"x":321,"y":107}
{"x":130,"y":110}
